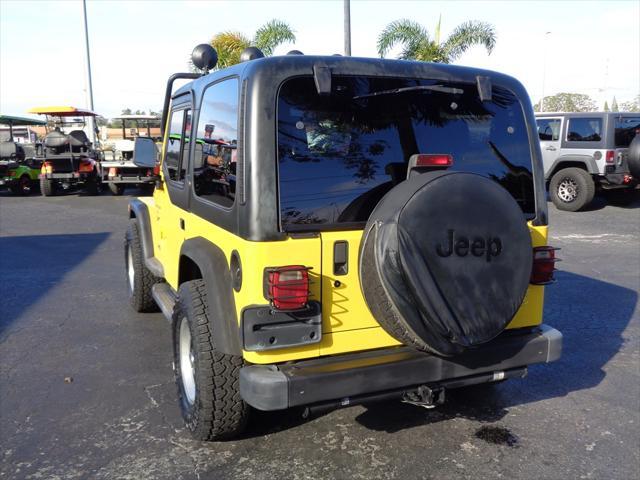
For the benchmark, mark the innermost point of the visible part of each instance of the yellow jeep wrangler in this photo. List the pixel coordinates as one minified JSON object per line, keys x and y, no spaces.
{"x":332,"y":230}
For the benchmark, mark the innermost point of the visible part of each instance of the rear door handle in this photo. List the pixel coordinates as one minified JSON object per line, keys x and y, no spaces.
{"x":341,"y":258}
{"x":551,"y":148}
{"x":182,"y":223}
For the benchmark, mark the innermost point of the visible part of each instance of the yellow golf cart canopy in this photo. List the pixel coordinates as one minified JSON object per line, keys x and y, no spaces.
{"x":20,"y":121}
{"x":58,"y":111}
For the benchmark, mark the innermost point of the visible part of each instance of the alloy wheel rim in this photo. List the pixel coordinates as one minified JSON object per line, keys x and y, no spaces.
{"x":187,"y":371}
{"x":25,"y":185}
{"x":567,"y":190}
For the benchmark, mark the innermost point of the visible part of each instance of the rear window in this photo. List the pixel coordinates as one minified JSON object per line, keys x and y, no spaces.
{"x":625,"y":129}
{"x":339,"y":154}
{"x":584,"y":130}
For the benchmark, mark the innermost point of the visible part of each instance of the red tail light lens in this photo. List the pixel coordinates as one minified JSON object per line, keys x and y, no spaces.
{"x":610,"y":156}
{"x":156,"y":170}
{"x":544,"y":264}
{"x":288,"y":287}
{"x":434,"y":160}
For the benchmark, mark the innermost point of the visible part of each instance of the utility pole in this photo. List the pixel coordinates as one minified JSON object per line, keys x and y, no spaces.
{"x":544,"y":69}
{"x":92,"y":120}
{"x":347,"y":28}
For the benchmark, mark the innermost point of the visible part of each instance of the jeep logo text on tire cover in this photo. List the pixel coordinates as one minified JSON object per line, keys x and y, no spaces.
{"x":462,"y":246}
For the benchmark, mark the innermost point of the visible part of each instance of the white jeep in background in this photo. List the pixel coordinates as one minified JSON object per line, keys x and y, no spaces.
{"x":586,"y":152}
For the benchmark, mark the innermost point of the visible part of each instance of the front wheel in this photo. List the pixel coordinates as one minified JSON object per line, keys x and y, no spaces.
{"x":571,"y":189}
{"x":47,"y":187}
{"x":116,"y":189}
{"x":140,"y":280}
{"x":208,"y":381}
{"x":22,"y":186}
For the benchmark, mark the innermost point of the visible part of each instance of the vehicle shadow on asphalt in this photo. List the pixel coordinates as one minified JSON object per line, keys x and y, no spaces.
{"x":24,"y":281}
{"x":591,"y":314}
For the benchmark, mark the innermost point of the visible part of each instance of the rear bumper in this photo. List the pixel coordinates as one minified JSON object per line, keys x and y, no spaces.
{"x":67,"y":176}
{"x":618,"y":180}
{"x":130,"y":179}
{"x":346,"y":377}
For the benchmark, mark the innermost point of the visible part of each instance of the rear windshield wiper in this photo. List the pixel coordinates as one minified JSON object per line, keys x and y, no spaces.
{"x":432,"y":88}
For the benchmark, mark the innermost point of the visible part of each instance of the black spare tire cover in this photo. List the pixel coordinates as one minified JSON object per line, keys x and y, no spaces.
{"x":633,"y":158}
{"x":445,"y":261}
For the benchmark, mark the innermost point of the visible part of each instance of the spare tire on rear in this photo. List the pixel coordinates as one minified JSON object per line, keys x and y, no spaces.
{"x":445,"y":261}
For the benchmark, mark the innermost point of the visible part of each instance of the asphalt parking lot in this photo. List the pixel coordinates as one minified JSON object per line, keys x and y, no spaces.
{"x":86,"y":387}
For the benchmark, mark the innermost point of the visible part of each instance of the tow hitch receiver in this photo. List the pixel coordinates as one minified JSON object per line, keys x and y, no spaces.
{"x":424,"y":396}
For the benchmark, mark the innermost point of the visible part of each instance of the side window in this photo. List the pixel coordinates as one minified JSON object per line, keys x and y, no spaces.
{"x":186,"y":142}
{"x":584,"y":130}
{"x":214,"y":167}
{"x":548,"y":129}
{"x":173,"y":151}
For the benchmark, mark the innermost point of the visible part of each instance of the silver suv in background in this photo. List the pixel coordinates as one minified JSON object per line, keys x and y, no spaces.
{"x":586,"y":152}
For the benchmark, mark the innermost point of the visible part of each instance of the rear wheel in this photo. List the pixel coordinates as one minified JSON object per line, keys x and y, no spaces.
{"x":22,"y":186}
{"x":92,"y":185}
{"x":116,"y":189}
{"x":207,"y":380}
{"x":47,"y":187}
{"x":571,"y":189}
{"x":140,"y":280}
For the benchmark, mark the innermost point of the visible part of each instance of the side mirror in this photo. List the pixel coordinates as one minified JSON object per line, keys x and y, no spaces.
{"x":145,"y":152}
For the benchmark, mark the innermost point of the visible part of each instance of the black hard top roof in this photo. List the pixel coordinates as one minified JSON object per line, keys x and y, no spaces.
{"x":339,"y":65}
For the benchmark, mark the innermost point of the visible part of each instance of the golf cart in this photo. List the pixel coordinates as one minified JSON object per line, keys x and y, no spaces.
{"x":18,"y":169}
{"x":69,"y":158}
{"x":118,"y":169}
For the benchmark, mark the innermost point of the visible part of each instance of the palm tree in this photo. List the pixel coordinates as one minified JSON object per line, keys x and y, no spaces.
{"x":230,"y":45}
{"x":418,"y":44}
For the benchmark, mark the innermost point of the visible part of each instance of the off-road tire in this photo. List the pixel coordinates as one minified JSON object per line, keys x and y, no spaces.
{"x":584,"y":186}
{"x":217,"y":411}
{"x":143,"y":280}
{"x":116,"y":189}
{"x":47,"y":187}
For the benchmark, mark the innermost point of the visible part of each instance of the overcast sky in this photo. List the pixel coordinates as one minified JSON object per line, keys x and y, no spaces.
{"x":593,"y":47}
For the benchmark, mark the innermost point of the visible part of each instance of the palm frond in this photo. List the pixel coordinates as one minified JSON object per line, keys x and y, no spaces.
{"x":468,"y":34}
{"x":272,"y":34}
{"x":410,"y":34}
{"x":431,"y":52}
{"x":229,"y":46}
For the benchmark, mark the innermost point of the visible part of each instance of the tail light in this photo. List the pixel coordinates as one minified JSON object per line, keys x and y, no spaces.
{"x":46,"y":168}
{"x":610,"y":156}
{"x":433,"y":160}
{"x":85,"y":166}
{"x":287,"y":288}
{"x":156,"y":170}
{"x":12,"y":173}
{"x":113,"y":172}
{"x":544,"y":264}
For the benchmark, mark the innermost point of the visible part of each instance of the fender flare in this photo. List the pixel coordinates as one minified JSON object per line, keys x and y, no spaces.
{"x":216,"y":274}
{"x":140,"y":211}
{"x":587,"y":160}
